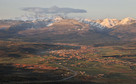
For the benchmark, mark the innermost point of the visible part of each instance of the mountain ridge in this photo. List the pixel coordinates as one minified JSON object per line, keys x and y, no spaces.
{"x":60,"y":29}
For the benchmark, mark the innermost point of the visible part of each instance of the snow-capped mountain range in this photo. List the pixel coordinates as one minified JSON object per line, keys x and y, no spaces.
{"x":100,"y":24}
{"x":109,"y":23}
{"x":95,"y":24}
{"x":124,"y":29}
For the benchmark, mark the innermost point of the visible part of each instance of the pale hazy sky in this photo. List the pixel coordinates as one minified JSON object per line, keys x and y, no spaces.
{"x":97,"y":9}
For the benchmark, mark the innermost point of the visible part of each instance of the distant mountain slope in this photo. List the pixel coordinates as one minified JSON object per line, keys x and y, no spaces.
{"x":125,"y":32}
{"x":67,"y":30}
{"x":59,"y":29}
{"x":5,"y":24}
{"x":124,"y":29}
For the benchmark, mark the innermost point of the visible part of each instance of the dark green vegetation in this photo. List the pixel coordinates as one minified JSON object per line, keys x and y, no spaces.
{"x":95,"y":64}
{"x":11,"y":74}
{"x":21,"y":61}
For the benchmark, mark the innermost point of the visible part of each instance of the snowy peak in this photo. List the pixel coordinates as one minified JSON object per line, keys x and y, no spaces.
{"x":114,"y":22}
{"x":109,"y":22}
{"x":49,"y":21}
{"x":58,"y":18}
{"x":127,"y":21}
{"x":93,"y":24}
{"x":101,"y":24}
